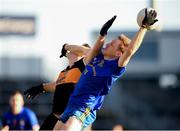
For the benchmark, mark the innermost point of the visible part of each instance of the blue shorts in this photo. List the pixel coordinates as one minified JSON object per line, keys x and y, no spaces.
{"x":86,"y":116}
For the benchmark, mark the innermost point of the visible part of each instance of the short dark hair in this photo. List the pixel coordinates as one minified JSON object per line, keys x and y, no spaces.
{"x":16,"y":92}
{"x":86,"y":45}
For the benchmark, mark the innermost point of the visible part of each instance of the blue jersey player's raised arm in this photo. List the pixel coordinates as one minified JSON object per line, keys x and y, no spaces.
{"x":103,"y":66}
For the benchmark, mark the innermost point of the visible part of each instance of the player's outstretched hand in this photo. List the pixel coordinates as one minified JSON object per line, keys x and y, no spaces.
{"x":34,"y":91}
{"x":106,"y":26}
{"x":150,"y":18}
{"x":63,"y":51}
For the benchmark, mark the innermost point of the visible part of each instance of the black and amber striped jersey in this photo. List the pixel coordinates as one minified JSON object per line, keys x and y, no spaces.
{"x":65,"y":85}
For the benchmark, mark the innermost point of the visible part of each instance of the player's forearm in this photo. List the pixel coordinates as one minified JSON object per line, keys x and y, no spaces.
{"x":95,"y":50}
{"x":49,"y":87}
{"x":77,"y":49}
{"x":136,"y":41}
{"x":97,"y":46}
{"x":132,"y":48}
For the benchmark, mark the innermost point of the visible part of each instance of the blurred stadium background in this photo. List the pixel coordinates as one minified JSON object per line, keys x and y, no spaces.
{"x":33,"y":31}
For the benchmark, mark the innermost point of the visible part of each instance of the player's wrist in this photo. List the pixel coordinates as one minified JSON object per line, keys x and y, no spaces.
{"x":143,"y":28}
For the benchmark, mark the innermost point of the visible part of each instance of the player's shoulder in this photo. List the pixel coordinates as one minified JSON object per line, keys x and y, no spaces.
{"x":6,"y":114}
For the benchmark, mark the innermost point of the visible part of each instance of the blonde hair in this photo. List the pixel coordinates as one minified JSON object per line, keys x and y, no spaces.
{"x":126,"y":41}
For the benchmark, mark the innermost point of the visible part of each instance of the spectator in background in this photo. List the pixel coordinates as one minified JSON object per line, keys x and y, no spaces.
{"x":117,"y":127}
{"x":19,"y":117}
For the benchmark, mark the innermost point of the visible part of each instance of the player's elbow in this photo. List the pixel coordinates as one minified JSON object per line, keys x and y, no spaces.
{"x":129,"y":52}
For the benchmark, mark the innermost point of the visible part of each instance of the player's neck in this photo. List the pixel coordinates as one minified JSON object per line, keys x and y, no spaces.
{"x":71,"y":62}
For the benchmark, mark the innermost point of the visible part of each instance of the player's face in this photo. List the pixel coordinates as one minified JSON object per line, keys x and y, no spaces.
{"x":114,"y":47}
{"x":16,"y":103}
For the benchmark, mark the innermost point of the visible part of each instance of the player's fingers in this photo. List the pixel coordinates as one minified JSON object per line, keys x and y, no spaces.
{"x":153,"y":14}
{"x":32,"y":97}
{"x":114,"y":17}
{"x":28,"y":96}
{"x":25,"y":92}
{"x":146,"y":12}
{"x":155,"y":20}
{"x":111,"y":20}
{"x":151,"y":11}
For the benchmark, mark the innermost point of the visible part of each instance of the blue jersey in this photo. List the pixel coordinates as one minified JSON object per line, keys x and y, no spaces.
{"x":22,"y":121}
{"x":95,"y":83}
